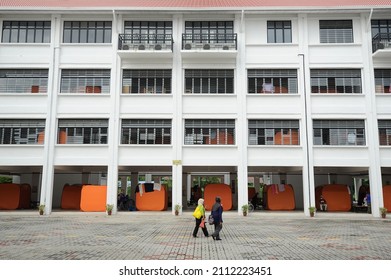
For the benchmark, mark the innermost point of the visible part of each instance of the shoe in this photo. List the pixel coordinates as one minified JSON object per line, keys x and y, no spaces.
{"x":195,"y":236}
{"x":218,"y":239}
{"x":214,"y":238}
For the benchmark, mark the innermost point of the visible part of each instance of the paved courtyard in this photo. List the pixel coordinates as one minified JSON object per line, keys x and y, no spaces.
{"x":161,"y":236}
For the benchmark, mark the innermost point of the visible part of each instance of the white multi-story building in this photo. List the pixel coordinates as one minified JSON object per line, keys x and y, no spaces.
{"x":186,"y":92}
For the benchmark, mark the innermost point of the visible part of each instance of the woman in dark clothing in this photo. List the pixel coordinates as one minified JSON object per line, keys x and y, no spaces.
{"x":217,"y":213}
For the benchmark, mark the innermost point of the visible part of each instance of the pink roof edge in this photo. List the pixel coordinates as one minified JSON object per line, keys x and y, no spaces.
{"x":192,"y":4}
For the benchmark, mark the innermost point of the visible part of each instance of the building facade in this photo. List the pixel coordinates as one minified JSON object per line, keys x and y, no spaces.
{"x":243,"y":93}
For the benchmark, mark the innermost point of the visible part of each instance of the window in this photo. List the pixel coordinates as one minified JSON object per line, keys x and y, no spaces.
{"x":279,"y":32}
{"x":272,"y":81}
{"x":209,"y":81}
{"x":20,"y":132}
{"x":209,"y":132}
{"x":146,"y":81}
{"x":273,"y":132}
{"x":383,"y":80}
{"x":23,"y":80}
{"x":87,"y":131}
{"x":214,"y":32}
{"x":384,"y":132}
{"x":149,"y":31}
{"x":339,"y":132}
{"x":336,"y":81}
{"x":85,"y":81}
{"x":87,"y":32}
{"x":26,"y":32}
{"x":381,"y":33}
{"x":144,"y":131}
{"x":336,"y":31}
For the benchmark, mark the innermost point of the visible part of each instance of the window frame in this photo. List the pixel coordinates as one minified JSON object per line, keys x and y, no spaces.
{"x":83,"y":131}
{"x":339,"y":133}
{"x":336,"y":31}
{"x":273,"y":29}
{"x":87,"y":32}
{"x":209,"y":132}
{"x":146,"y":132}
{"x":150,"y":81}
{"x":209,"y":81}
{"x":22,"y":131}
{"x":263,"y":132}
{"x":272,"y":81}
{"x":24,"y":80}
{"x":333,"y":80}
{"x":14,"y":28}
{"x":85,"y":81}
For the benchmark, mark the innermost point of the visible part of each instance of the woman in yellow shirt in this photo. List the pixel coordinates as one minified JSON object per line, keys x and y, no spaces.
{"x":199,"y":215}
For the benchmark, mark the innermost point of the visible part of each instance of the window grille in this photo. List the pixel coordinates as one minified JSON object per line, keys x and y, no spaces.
{"x":145,"y":131}
{"x":87,"y":32}
{"x":339,"y":132}
{"x":26,"y":32}
{"x":82,"y":131}
{"x":208,"y":31}
{"x":336,"y":31}
{"x":20,"y":132}
{"x":209,"y":132}
{"x":279,"y":32}
{"x":23,"y":80}
{"x":272,"y":81}
{"x":336,"y":81}
{"x":384,"y":127}
{"x":383,"y":80}
{"x":85,"y":81}
{"x":146,"y":81}
{"x":209,"y":81}
{"x":273,"y":132}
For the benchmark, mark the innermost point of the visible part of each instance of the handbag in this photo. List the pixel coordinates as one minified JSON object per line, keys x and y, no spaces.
{"x":197,"y":213}
{"x":202,"y":224}
{"x":211,"y":220}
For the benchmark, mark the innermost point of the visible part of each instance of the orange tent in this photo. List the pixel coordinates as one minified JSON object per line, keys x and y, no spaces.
{"x":71,"y":197}
{"x":337,"y":197}
{"x":9,"y":196}
{"x":222,"y":190}
{"x":155,"y":200}
{"x":387,"y":197}
{"x":279,"y":197}
{"x":93,"y":198}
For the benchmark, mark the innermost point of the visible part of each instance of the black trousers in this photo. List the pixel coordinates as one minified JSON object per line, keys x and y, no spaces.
{"x":197,"y":226}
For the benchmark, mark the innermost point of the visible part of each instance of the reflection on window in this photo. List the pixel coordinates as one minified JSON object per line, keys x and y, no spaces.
{"x":273,"y":132}
{"x":85,"y":131}
{"x":384,"y":132}
{"x":85,"y":81}
{"x":339,"y":132}
{"x":336,"y":81}
{"x":21,"y":132}
{"x":146,"y":131}
{"x":23,"y":80}
{"x":336,"y":31}
{"x":209,"y":132}
{"x":383,"y":80}
{"x":272,"y":81}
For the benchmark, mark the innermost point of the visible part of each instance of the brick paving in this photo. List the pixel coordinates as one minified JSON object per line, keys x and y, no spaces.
{"x":161,"y":236}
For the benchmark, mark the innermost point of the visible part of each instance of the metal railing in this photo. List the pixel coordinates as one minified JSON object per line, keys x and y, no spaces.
{"x":209,"y":41}
{"x":145,"y":42}
{"x":381,"y":41}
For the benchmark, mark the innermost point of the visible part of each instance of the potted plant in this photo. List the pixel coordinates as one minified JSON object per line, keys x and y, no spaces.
{"x":41,"y":209}
{"x":109,"y":208}
{"x":177,"y":208}
{"x":312,"y":211}
{"x":383,"y":212}
{"x":245,"y":209}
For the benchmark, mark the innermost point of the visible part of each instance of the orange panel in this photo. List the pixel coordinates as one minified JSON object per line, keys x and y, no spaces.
{"x":222,"y":190}
{"x":9,"y":196}
{"x":280,"y":197}
{"x":337,"y":197}
{"x":25,"y":196}
{"x":387,"y":197}
{"x":93,"y":198}
{"x":152,"y":201}
{"x":71,"y":196}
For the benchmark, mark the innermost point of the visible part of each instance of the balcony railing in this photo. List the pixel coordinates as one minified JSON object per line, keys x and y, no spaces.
{"x":209,"y":41}
{"x":381,"y":41}
{"x":156,"y":42}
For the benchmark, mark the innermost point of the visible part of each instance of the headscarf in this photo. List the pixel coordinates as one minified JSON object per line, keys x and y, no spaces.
{"x":201,"y":201}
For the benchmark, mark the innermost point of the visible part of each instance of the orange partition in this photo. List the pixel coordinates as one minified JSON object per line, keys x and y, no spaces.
{"x":9,"y":196}
{"x":156,"y":200}
{"x":71,"y":197}
{"x":337,"y":197}
{"x":387,"y":197}
{"x":93,"y":198}
{"x":279,"y":197}
{"x":25,"y":196}
{"x":222,"y":190}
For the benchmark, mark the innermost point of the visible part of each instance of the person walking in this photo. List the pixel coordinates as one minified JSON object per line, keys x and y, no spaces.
{"x":199,"y":215}
{"x":217,"y":213}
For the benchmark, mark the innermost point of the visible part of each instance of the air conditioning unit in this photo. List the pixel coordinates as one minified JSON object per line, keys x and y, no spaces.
{"x":206,"y":47}
{"x":125,"y":47}
{"x":158,"y":47}
{"x":188,"y":46}
{"x":141,"y":47}
{"x":225,"y":48}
